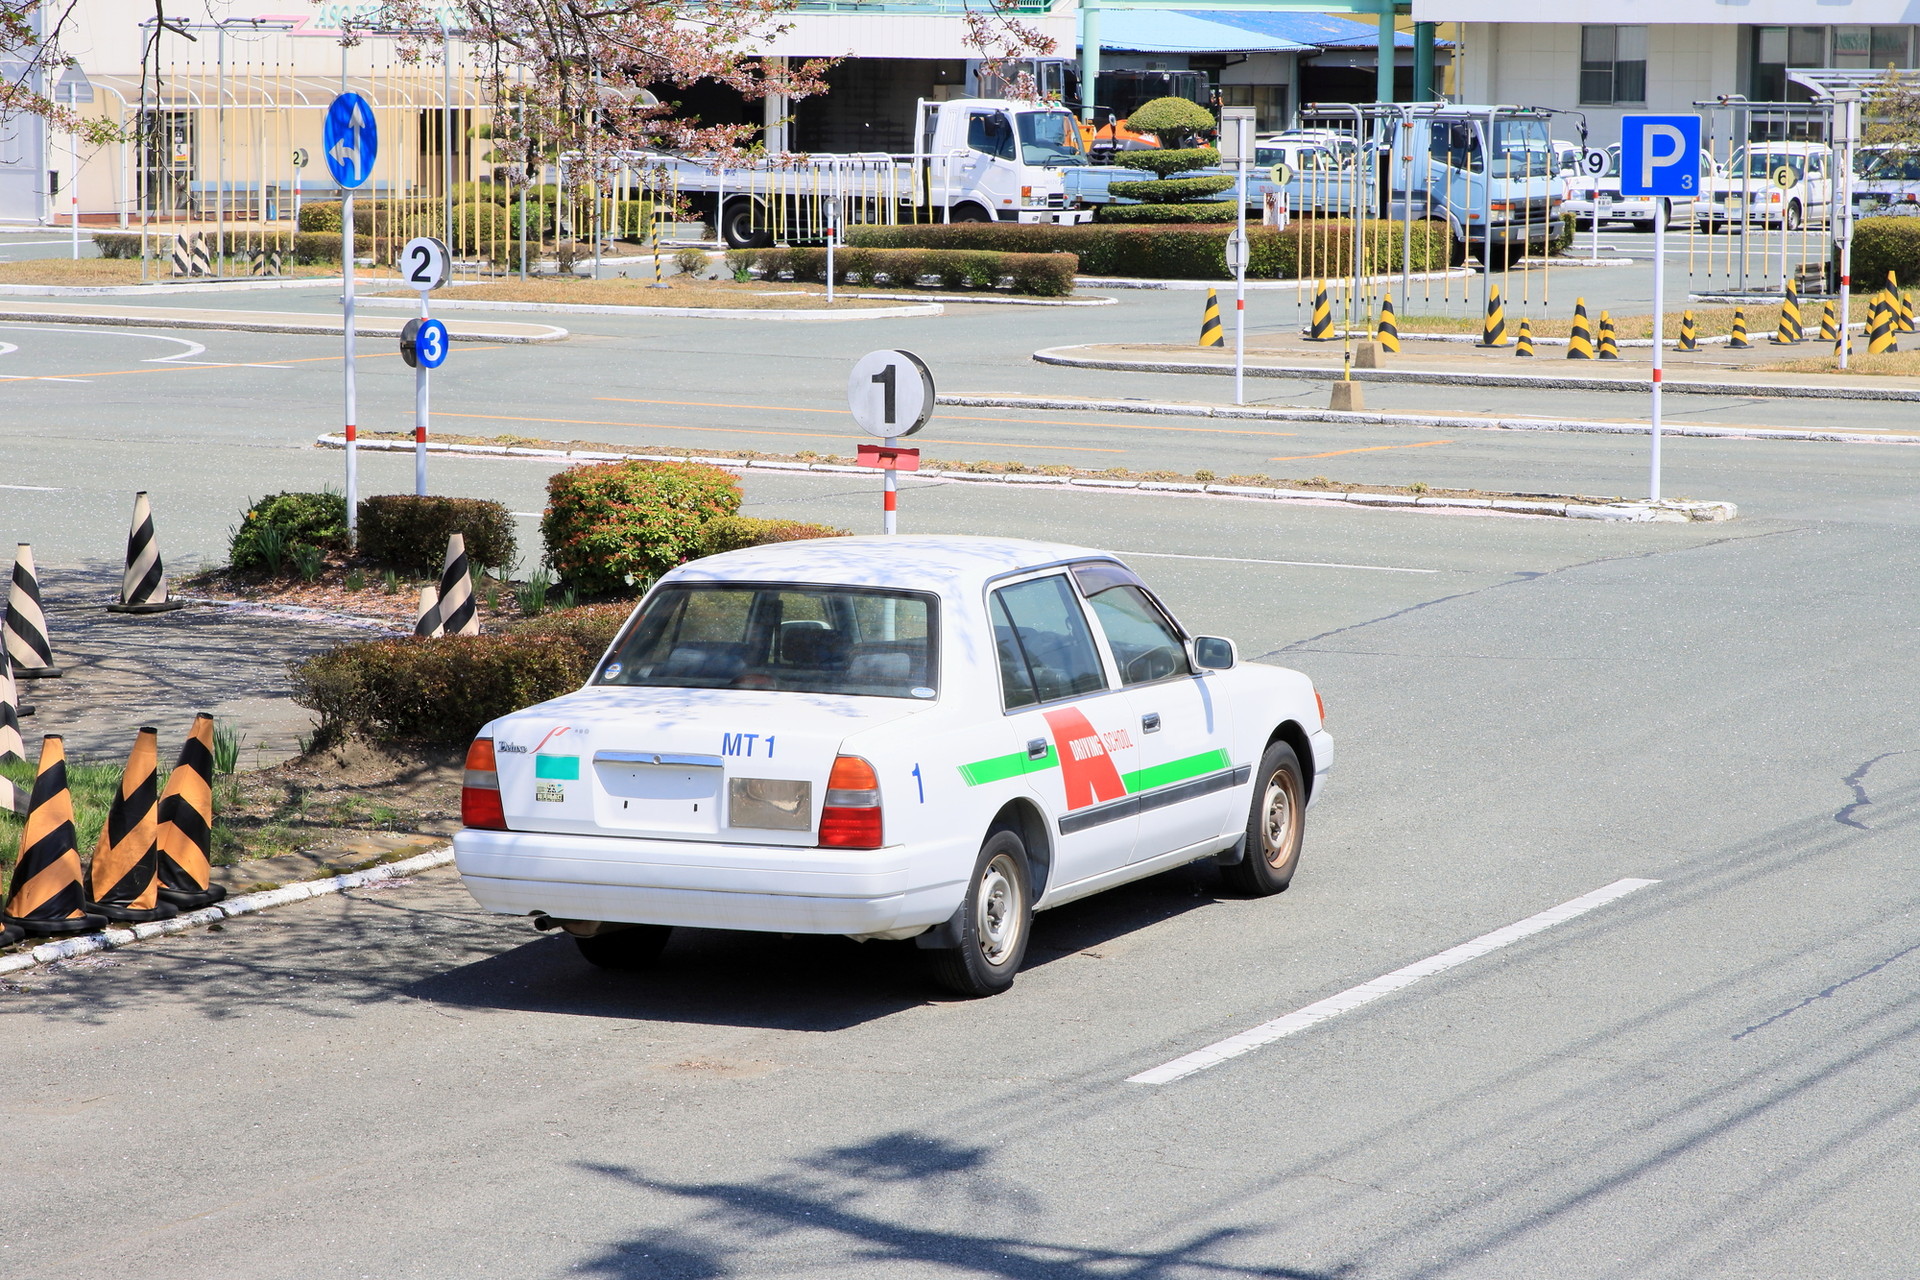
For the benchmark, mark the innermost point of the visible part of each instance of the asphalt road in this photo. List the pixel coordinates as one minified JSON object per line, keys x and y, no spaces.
{"x":1708,"y":1077}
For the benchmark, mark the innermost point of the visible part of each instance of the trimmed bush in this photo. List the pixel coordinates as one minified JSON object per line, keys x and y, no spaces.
{"x":312,"y":248}
{"x":481,"y":192}
{"x":1204,"y":211}
{"x":443,"y":690}
{"x":1171,"y":120}
{"x":612,"y":528}
{"x":482,"y":228}
{"x":1885,"y":243}
{"x":731,"y":533}
{"x":121,"y":244}
{"x":1169,"y":163}
{"x":1047,"y":275}
{"x":1173,"y":190}
{"x":272,"y":527}
{"x":403,"y":531}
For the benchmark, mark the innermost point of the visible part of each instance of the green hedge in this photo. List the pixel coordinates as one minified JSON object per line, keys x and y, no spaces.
{"x":1307,"y":248}
{"x":404,"y":531}
{"x":305,"y":247}
{"x":731,"y":533}
{"x":1882,"y":244}
{"x":272,"y":527}
{"x":1046,"y":275}
{"x":611,"y":528}
{"x":442,"y":690}
{"x":1167,"y":163}
{"x":1201,"y":211}
{"x":1173,"y":190}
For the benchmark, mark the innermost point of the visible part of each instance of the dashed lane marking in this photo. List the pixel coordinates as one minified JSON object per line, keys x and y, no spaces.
{"x":1367,"y":992}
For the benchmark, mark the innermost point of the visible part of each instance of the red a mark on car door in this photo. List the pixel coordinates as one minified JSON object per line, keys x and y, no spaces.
{"x":1085,"y":767}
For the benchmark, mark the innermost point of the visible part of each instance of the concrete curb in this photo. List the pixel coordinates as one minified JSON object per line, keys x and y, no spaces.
{"x":554,"y":333}
{"x":246,"y":904}
{"x":1321,"y":373}
{"x":142,"y":290}
{"x":1141,"y":282}
{"x":696,"y":313}
{"x":1416,"y":419}
{"x":1573,"y":506}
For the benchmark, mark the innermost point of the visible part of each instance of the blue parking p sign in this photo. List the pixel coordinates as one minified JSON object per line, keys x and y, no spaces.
{"x":1660,"y":156}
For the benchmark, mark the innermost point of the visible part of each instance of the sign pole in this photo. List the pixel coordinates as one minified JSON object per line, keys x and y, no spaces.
{"x":346,"y":329}
{"x":1659,"y":339}
{"x":890,"y":494}
{"x":1240,"y":271}
{"x":352,"y":139}
{"x":420,"y":376}
{"x":1659,"y":157}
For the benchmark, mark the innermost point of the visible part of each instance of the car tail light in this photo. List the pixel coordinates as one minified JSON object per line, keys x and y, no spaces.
{"x":1321,"y":703}
{"x":850,"y":818}
{"x":480,"y":790}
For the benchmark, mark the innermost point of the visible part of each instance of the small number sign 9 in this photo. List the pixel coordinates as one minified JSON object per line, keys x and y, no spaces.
{"x":890,"y":393}
{"x":1595,"y":162}
{"x":424,"y":263}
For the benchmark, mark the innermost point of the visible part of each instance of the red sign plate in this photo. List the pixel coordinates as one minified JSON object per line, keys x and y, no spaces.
{"x":879,"y":455}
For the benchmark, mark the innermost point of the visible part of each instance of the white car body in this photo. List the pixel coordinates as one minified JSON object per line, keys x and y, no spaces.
{"x":622,"y":798}
{"x":1588,"y":196}
{"x":1739,"y":197}
{"x":1888,"y":182}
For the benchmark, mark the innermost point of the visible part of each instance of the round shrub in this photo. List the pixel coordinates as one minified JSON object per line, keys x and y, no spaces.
{"x":1171,"y":120}
{"x":1885,"y":243}
{"x":731,"y":533}
{"x":407,"y":531}
{"x":613,"y":527}
{"x":272,"y":527}
{"x":482,"y":227}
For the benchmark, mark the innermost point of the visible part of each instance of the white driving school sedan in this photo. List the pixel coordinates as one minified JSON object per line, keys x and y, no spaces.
{"x":888,"y":737}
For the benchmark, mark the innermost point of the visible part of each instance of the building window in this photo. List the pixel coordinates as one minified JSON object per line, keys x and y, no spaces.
{"x":1613,"y":65}
{"x":1269,"y":102}
{"x":1777,"y":49}
{"x":1871,"y":47}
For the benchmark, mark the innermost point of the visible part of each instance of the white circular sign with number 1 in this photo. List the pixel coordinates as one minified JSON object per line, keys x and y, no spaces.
{"x":890,"y":393}
{"x":424,"y":263}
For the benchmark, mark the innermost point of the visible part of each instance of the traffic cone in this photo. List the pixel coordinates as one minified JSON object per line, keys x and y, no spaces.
{"x":1880,"y":322}
{"x":1493,"y":328}
{"x":426,"y":623}
{"x":182,"y":257}
{"x":1211,"y":334}
{"x":1738,"y":342}
{"x":123,"y":882}
{"x":1321,"y":328}
{"x":457,"y":616}
{"x":1609,"y":349}
{"x":45,"y":897}
{"x":1789,"y":331}
{"x":143,"y":585}
{"x":1388,"y":334}
{"x":184,"y":838}
{"x":1580,"y":344}
{"x":1523,"y":345}
{"x":1829,"y":324}
{"x":1906,"y":311}
{"x":10,"y":690}
{"x":197,"y":248}
{"x":11,"y":748}
{"x":26,"y":629}
{"x":1689,"y":336}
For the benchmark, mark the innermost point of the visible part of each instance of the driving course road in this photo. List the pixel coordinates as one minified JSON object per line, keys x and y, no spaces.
{"x":1706,"y":1072}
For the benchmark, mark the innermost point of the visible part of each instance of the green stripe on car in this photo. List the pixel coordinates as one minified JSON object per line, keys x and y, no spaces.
{"x":1172,"y":771}
{"x":1012,"y":765}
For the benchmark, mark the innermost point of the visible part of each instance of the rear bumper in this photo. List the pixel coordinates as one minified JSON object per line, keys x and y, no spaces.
{"x":777,"y":889}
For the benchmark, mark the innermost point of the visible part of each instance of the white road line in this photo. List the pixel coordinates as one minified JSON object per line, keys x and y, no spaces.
{"x":1294,"y":564}
{"x":1352,"y":998}
{"x":33,"y":488}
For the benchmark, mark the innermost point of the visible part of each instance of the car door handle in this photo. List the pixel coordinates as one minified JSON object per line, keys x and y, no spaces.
{"x":1150,"y":722}
{"x":1036,"y":749}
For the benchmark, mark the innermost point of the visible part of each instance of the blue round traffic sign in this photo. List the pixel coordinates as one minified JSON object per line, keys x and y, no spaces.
{"x":430,"y":344}
{"x":351,"y":140}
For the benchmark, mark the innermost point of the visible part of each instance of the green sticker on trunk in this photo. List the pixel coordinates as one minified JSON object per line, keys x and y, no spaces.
{"x":559,"y":768}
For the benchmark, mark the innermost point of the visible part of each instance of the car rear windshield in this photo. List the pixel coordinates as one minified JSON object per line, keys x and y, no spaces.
{"x":806,"y":639}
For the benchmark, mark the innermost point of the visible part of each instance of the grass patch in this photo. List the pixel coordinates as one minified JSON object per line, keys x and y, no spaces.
{"x":117,"y":271}
{"x":639,"y":292}
{"x":1890,"y":363}
{"x":92,"y":787}
{"x":1709,"y":322}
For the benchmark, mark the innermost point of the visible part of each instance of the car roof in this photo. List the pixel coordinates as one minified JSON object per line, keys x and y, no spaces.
{"x":944,"y":563}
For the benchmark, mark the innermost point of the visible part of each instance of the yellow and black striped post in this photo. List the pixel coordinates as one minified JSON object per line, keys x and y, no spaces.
{"x":1609,"y":346}
{"x":1789,"y":331}
{"x":1829,"y":323}
{"x":123,"y":881}
{"x":1880,"y":322}
{"x":1689,"y":335}
{"x":426,"y":623}
{"x":26,"y":626}
{"x":1580,"y":344}
{"x":1493,"y":328}
{"x":185,"y":834}
{"x":1388,"y":333}
{"x":1523,"y":345}
{"x":1738,"y":342}
{"x":1211,"y":334}
{"x":1320,"y":328}
{"x":457,"y":614}
{"x":143,"y":586}
{"x":45,"y":896}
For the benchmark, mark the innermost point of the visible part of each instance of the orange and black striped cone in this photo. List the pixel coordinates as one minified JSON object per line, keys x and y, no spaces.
{"x":123,"y":882}
{"x":46,"y":895}
{"x":185,"y":835}
{"x":1211,"y":334}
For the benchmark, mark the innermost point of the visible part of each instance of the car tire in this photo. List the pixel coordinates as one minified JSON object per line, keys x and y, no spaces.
{"x":626,"y":950}
{"x":970,"y":213}
{"x":1792,"y":218}
{"x":995,"y":922}
{"x":738,"y":229}
{"x":1276,"y":826}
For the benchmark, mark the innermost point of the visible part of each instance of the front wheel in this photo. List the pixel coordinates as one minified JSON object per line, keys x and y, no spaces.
{"x":738,"y":229}
{"x":625,"y":950}
{"x":1792,"y":220}
{"x":1276,"y":826}
{"x":995,"y":922}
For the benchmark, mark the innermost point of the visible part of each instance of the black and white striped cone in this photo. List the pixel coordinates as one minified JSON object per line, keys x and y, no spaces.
{"x":273,"y":262}
{"x":26,"y":626}
{"x":182,"y":256}
{"x":202,"y":266}
{"x":143,"y":586}
{"x":10,"y":689}
{"x":426,"y":623}
{"x":46,"y":894}
{"x":12,"y":749}
{"x":123,"y":880}
{"x":457,"y":615}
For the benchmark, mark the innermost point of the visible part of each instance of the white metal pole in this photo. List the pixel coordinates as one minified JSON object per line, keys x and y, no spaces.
{"x":420,"y":375}
{"x":1659,"y":343}
{"x":890,"y":494}
{"x":1843,"y":208}
{"x":346,"y":331}
{"x":1240,"y":270}
{"x":73,"y":187}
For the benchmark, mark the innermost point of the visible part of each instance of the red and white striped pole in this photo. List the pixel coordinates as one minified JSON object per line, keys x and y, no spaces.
{"x":890,"y":494}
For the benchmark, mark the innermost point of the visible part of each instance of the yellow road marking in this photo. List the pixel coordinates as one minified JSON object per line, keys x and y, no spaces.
{"x":1372,"y":448}
{"x":959,"y":417}
{"x":752,"y":431}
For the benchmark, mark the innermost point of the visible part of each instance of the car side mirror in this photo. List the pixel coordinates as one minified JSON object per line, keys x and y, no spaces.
{"x":1212,"y":653}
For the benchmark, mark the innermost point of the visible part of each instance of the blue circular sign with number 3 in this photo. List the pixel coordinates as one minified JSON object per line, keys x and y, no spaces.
{"x":430,"y":344}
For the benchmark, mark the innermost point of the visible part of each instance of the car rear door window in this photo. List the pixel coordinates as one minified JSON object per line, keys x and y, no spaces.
{"x":1052,"y":645}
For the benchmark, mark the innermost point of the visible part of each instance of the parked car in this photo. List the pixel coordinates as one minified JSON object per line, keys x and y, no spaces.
{"x":905,"y":737}
{"x":1590,"y":197}
{"x":1887,"y":181}
{"x":1749,"y":190}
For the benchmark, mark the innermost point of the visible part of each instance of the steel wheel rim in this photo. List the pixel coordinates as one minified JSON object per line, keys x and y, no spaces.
{"x":997,"y":911}
{"x":1277,"y":809}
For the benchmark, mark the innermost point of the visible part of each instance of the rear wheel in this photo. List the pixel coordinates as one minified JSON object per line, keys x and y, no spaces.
{"x":1793,"y":218}
{"x":995,"y":922}
{"x":970,"y":213}
{"x":738,"y":226}
{"x":626,"y":950}
{"x":1276,"y":825}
